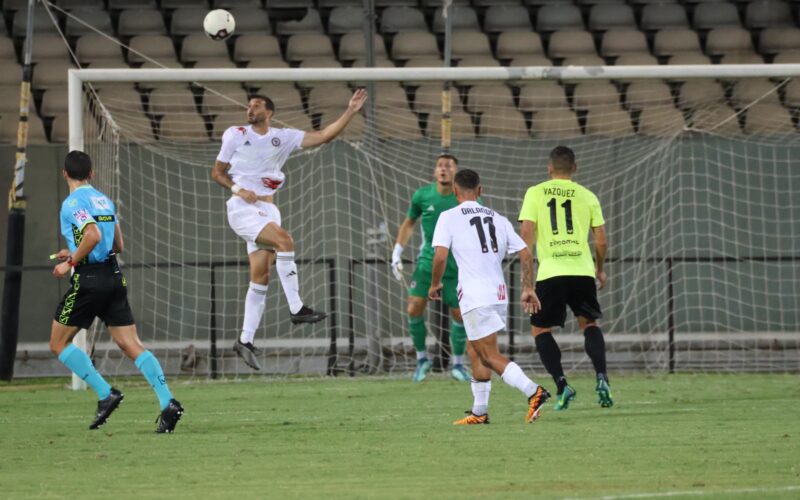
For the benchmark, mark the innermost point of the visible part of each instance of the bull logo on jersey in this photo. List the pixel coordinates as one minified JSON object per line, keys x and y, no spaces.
{"x":271,"y":183}
{"x":276,"y":142}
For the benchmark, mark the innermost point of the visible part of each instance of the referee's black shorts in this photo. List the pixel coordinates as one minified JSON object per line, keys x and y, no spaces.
{"x":558,"y":292}
{"x":96,"y":290}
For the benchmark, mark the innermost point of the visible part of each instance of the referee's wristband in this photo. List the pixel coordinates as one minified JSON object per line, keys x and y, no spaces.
{"x":236,"y":188}
{"x":72,"y":263}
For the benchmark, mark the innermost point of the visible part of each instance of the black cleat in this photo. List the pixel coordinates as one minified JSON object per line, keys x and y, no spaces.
{"x":248,"y":353}
{"x":106,"y":407}
{"x":308,"y":315}
{"x":169,"y":417}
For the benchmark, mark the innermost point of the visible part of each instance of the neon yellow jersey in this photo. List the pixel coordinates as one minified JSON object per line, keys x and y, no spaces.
{"x":563,"y":212}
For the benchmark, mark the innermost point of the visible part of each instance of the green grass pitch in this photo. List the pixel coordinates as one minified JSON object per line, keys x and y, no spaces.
{"x":675,"y":436}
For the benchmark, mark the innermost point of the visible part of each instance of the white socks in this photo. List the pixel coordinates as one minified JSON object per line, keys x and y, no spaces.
{"x":287,"y":271}
{"x":480,"y":393}
{"x":422,"y":355}
{"x":254,"y":303}
{"x":515,"y":377}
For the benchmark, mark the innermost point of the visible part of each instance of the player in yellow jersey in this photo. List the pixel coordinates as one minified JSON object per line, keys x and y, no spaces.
{"x":557,"y":216}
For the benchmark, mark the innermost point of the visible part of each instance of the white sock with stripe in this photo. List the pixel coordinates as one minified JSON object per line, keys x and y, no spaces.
{"x":480,"y":394}
{"x":254,"y":303}
{"x":287,"y":271}
{"x":515,"y":377}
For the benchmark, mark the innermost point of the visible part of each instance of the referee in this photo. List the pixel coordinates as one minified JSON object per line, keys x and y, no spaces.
{"x":98,"y":289}
{"x":557,"y":216}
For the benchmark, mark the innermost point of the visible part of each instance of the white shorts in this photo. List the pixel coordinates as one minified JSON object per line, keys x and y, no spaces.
{"x":248,"y":219}
{"x":485,"y":320}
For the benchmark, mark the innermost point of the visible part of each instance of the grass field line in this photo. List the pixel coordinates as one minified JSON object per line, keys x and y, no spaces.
{"x":666,"y":494}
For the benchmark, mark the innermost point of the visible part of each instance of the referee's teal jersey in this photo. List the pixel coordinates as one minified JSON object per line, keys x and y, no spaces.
{"x":86,"y":205}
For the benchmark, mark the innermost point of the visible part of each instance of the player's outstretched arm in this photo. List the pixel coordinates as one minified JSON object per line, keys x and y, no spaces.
{"x":600,"y":251}
{"x":403,"y":235}
{"x":330,"y":132}
{"x":439,"y":264}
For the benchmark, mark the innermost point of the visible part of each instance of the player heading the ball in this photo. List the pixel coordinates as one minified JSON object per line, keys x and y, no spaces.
{"x":250,"y":164}
{"x":480,"y":238}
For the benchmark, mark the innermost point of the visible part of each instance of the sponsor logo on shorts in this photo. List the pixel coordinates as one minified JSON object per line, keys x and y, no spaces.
{"x":69,"y":300}
{"x":276,"y":141}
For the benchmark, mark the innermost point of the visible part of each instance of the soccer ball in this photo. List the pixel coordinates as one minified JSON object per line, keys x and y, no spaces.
{"x":219,"y":24}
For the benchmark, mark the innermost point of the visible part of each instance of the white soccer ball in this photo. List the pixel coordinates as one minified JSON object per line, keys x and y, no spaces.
{"x":219,"y":24}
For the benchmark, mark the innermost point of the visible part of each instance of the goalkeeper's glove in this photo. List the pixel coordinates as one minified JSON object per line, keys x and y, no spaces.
{"x":397,"y":261}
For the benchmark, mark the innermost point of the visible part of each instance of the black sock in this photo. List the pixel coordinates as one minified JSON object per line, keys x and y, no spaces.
{"x":595,"y":347}
{"x":550,"y":355}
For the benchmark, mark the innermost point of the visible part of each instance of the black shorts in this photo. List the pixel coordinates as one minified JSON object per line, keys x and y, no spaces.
{"x":558,"y":292}
{"x":97,"y":290}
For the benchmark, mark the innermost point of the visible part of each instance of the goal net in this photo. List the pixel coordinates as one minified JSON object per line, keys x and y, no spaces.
{"x":697,"y":177}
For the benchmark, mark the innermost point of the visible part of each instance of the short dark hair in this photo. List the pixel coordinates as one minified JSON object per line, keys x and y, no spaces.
{"x":467,"y":179}
{"x":267,"y":101}
{"x":78,"y":165}
{"x":447,"y":156}
{"x":562,"y":158}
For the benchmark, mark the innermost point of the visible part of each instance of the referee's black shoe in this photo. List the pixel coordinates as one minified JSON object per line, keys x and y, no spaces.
{"x":105,"y":407}
{"x":169,"y":417}
{"x":308,"y":315}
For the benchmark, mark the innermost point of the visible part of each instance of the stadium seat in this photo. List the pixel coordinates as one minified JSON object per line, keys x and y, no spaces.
{"x":97,"y":19}
{"x":467,"y":43}
{"x":726,"y":40}
{"x":484,"y":97}
{"x":636,"y":59}
{"x":661,"y":121}
{"x":42,"y":24}
{"x":611,"y":16}
{"x":395,"y":3}
{"x":106,"y":64}
{"x":165,"y":101}
{"x":49,"y":47}
{"x":641,"y":94}
{"x":224,"y":98}
{"x":717,"y":118}
{"x":791,"y":93}
{"x":8,"y":130}
{"x":611,"y":121}
{"x":325,"y":98}
{"x":503,"y":122}
{"x":189,"y":128}
{"x":185,"y":4}
{"x":664,"y":16}
{"x":461,"y":124}
{"x":7,"y":51}
{"x":158,"y":47}
{"x":399,"y":124}
{"x":555,"y":123}
{"x":559,"y":18}
{"x":787,"y":57}
{"x":749,"y":90}
{"x":134,"y":22}
{"x":311,"y":23}
{"x":352,"y":46}
{"x":237,"y":4}
{"x":400,"y":19}
{"x":389,"y":95}
{"x":569,"y":43}
{"x":354,"y":131}
{"x":414,"y":44}
{"x":214,"y":63}
{"x":491,"y":3}
{"x":511,"y":44}
{"x":332,"y":4}
{"x":583,"y":60}
{"x":537,"y":95}
{"x":320,"y":62}
{"x":380,"y":62}
{"x":741,"y":58}
{"x":81,"y":4}
{"x":768,"y":14}
{"x":689,"y":58}
{"x":122,"y":98}
{"x":251,"y":21}
{"x":507,"y":18}
{"x":132,"y":4}
{"x":199,"y":46}
{"x":252,"y":46}
{"x":428,"y":98}
{"x":715,"y":15}
{"x":54,"y":102}
{"x":595,"y":93}
{"x":463,"y":19}
{"x":768,"y":119}
{"x":9,"y":99}
{"x":530,"y":60}
{"x":774,"y":40}
{"x":50,"y":74}
{"x":346,"y":20}
{"x":671,"y":42}
{"x":186,"y":20}
{"x":307,"y":45}
{"x":433,"y":4}
{"x":695,"y":93}
{"x":284,"y":95}
{"x":266,"y":62}
{"x":90,"y":48}
{"x":617,"y":42}
{"x":59,"y":129}
{"x":294,"y":4}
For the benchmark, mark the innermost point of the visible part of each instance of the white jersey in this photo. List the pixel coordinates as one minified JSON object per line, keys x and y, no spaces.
{"x":479,"y":238}
{"x":257,"y":160}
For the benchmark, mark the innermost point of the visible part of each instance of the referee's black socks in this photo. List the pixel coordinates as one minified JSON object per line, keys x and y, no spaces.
{"x":550,"y":354}
{"x":595,"y":347}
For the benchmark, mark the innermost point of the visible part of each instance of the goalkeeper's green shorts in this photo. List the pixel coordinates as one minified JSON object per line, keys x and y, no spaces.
{"x":421,"y":283}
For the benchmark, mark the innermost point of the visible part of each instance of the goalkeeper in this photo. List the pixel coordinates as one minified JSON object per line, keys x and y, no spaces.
{"x":427,"y":203}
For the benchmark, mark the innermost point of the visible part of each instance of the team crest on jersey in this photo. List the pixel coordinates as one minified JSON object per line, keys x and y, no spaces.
{"x":276,"y":142}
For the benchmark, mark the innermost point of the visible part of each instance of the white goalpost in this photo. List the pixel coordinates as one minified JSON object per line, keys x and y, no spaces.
{"x":696,"y":167}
